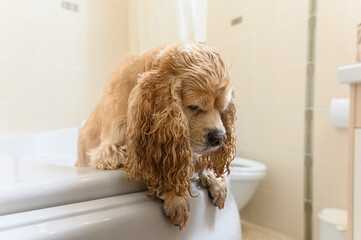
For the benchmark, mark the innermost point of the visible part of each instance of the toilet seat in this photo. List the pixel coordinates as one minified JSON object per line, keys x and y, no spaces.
{"x":243,"y":164}
{"x":246,"y":169}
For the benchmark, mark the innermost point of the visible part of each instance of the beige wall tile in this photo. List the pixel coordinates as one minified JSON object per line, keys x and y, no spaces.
{"x":22,"y":119}
{"x":274,"y":162}
{"x":12,"y":74}
{"x":30,"y":87}
{"x":346,"y":27}
{"x":264,"y":209}
{"x":273,"y":13}
{"x":47,"y":85}
{"x":73,"y":89}
{"x":294,"y":175}
{"x":49,"y":40}
{"x":282,"y":46}
{"x":246,"y":130}
{"x":324,"y":5}
{"x":48,"y":118}
{"x":73,"y":41}
{"x":292,"y":42}
{"x":54,"y":63}
{"x":4,"y":27}
{"x":279,"y":130}
{"x":265,"y":89}
{"x":275,"y":169}
{"x":267,"y":50}
{"x":283,"y":88}
{"x":292,"y":214}
{"x":219,"y":28}
{"x":213,"y":7}
{"x":325,"y":37}
{"x":268,"y":14}
{"x":21,"y":33}
{"x":328,"y":140}
{"x":243,"y":86}
{"x":4,"y":118}
{"x":330,"y":172}
{"x":336,"y":34}
{"x":279,"y":212}
{"x":323,"y":174}
{"x":327,"y":86}
{"x":340,"y":182}
{"x":240,"y":55}
{"x":284,"y":170}
{"x":290,"y":128}
{"x":290,"y":11}
{"x":248,"y":11}
{"x":290,"y":86}
{"x":215,"y":31}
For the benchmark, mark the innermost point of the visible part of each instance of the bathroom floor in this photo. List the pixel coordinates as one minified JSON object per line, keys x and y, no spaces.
{"x":254,"y":232}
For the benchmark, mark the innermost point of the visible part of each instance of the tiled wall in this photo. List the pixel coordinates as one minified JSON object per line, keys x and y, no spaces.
{"x":54,"y":63}
{"x":267,"y":54}
{"x":337,"y":22}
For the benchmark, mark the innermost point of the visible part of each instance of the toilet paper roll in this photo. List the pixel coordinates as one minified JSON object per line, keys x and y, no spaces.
{"x":339,"y":112}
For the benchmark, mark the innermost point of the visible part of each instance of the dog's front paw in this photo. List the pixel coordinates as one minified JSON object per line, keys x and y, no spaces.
{"x":218,"y":192}
{"x":177,"y":208}
{"x":107,"y":157}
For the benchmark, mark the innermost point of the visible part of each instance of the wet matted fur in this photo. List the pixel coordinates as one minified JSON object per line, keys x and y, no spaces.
{"x":165,"y":115}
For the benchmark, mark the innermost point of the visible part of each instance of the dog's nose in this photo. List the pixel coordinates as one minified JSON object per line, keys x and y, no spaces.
{"x":216,"y":138}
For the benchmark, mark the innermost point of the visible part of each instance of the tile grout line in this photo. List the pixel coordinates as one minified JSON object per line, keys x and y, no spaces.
{"x":309,"y":112}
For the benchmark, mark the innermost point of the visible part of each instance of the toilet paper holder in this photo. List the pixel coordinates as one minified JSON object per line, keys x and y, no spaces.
{"x":339,"y":112}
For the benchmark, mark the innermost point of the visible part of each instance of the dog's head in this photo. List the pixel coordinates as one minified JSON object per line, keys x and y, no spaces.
{"x":183,"y":106}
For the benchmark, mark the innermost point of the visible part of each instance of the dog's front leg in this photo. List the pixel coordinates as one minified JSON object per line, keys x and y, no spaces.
{"x":111,"y":153}
{"x":176,"y":208}
{"x":108,"y":156}
{"x":217,"y":187}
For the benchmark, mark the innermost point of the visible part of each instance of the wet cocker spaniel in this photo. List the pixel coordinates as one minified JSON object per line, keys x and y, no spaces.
{"x":165,"y":115}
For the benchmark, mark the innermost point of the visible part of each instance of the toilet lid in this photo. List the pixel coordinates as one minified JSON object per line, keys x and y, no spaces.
{"x":243,"y":164}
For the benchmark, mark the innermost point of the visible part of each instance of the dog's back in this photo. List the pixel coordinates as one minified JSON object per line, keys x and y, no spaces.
{"x":110,"y":113}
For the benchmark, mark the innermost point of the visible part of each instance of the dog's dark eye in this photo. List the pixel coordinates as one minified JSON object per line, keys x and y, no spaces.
{"x":196,"y":109}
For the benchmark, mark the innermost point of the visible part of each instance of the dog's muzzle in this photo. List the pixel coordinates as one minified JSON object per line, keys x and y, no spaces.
{"x":216,"y":138}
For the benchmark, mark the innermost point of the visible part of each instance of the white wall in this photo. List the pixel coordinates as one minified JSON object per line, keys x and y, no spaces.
{"x":54,"y":63}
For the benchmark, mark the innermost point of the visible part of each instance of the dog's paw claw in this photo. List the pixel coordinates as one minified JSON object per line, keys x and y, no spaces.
{"x":217,"y":192}
{"x":176,"y":210}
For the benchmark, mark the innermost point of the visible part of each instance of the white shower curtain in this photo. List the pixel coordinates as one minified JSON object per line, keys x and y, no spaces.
{"x":153,"y":22}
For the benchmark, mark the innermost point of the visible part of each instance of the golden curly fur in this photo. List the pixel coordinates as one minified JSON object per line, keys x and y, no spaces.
{"x":165,"y":115}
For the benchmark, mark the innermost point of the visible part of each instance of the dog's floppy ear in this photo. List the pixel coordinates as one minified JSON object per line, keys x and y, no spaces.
{"x":219,"y":161}
{"x":158,"y":147}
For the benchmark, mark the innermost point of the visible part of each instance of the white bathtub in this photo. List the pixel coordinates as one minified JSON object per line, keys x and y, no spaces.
{"x":42,"y":196}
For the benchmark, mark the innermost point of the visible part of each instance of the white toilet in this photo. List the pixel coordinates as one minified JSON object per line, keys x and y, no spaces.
{"x":245,"y":177}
